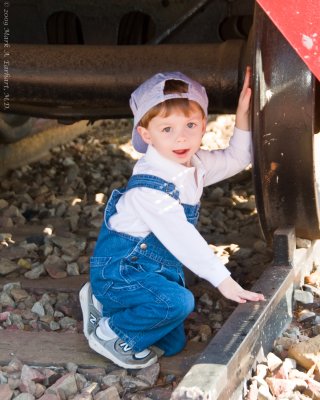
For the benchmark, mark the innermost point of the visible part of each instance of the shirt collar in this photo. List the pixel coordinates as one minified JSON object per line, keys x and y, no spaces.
{"x":171,"y":168}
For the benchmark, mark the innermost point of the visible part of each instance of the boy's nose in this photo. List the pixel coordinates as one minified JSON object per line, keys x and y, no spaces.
{"x":182,"y":136}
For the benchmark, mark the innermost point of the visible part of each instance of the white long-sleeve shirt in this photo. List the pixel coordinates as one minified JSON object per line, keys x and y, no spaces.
{"x":144,"y":210}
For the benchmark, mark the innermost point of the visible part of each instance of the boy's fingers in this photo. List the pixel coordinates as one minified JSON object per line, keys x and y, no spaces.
{"x":240,"y":299}
{"x":246,"y":82}
{"x":247,"y":79}
{"x":253,"y":296}
{"x":246,"y":93}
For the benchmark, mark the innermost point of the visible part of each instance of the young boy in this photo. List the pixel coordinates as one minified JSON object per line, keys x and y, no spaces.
{"x":139,"y":301}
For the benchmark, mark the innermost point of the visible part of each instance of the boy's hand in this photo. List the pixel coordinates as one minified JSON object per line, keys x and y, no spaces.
{"x":233,"y":291}
{"x":242,"y":115}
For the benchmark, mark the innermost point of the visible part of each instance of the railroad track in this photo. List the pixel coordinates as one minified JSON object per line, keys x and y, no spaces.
{"x":218,"y":371}
{"x":222,"y":370}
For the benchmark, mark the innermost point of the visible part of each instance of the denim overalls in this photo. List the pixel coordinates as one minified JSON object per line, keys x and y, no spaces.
{"x":139,"y":282}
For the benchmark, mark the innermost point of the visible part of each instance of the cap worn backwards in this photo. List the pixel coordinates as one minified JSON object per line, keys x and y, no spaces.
{"x":150,"y":93}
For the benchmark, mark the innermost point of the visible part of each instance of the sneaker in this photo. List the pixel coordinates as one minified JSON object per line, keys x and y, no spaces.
{"x":91,"y":315}
{"x":121,"y":353}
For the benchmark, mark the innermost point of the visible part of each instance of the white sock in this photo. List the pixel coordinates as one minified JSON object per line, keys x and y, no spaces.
{"x":104,"y":331}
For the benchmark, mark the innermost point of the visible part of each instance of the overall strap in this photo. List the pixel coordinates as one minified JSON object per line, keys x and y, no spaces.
{"x":153,"y":182}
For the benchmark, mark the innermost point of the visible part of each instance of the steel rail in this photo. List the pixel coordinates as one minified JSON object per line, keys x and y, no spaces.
{"x":222,"y":370}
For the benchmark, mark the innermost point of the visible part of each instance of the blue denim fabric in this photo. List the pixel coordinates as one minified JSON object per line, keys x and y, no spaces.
{"x":139,"y":282}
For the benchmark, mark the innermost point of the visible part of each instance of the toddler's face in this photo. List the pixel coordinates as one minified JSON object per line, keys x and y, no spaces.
{"x":176,"y":136}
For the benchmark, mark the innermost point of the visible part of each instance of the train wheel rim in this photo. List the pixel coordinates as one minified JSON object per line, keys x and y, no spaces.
{"x":285,"y":128}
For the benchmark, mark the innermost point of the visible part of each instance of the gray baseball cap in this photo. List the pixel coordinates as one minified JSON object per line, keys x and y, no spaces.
{"x":150,"y":93}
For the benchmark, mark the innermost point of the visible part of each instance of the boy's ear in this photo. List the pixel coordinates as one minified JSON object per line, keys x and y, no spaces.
{"x":144,"y":133}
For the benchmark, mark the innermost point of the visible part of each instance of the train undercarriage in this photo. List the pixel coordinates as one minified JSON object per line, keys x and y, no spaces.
{"x":81,"y":61}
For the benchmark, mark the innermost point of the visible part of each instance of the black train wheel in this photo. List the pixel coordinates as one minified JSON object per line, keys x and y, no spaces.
{"x":286,"y":142}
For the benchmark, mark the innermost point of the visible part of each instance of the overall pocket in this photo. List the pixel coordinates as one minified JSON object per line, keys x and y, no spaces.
{"x":99,"y":280}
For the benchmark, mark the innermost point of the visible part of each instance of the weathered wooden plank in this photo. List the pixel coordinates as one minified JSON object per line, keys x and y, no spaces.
{"x":68,"y":284}
{"x":47,"y":348}
{"x":180,"y":364}
{"x":56,"y":349}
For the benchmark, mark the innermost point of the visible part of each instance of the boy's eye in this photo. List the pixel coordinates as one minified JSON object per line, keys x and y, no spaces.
{"x":167,"y":129}
{"x":191,"y":124}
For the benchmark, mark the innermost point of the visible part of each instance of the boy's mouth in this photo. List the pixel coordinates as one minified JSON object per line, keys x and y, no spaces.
{"x":181,"y":152}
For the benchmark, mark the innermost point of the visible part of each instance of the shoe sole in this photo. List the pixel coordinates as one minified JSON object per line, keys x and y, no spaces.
{"x":84,"y":302}
{"x":97,"y":347}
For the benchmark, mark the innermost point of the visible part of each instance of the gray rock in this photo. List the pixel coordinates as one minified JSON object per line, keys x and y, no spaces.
{"x":273,"y":361}
{"x":45,"y":299}
{"x":216,"y":193}
{"x":81,"y":381}
{"x":71,"y":367}
{"x":111,"y":394}
{"x":303,"y":243}
{"x":73,"y":269}
{"x":264,"y":393}
{"x":305,"y":314}
{"x":29,"y":377}
{"x":6,"y":300}
{"x":38,"y":309}
{"x":61,"y":209}
{"x":205,"y":299}
{"x":312,"y":289}
{"x":3,"y":378}
{"x":149,"y":374}
{"x":19,"y":294}
{"x":54,"y":326}
{"x":5,"y":392}
{"x":65,"y":386}
{"x":25,"y":396}
{"x":243,"y":253}
{"x":56,"y":271}
{"x":110,"y":380}
{"x":36,"y":272}
{"x":40,"y":389}
{"x":67,"y":322}
{"x":58,"y":314}
{"x":74,"y":222}
{"x":91,"y":389}
{"x":49,"y":310}
{"x":260,"y":246}
{"x":303,"y":296}
{"x":3,"y":204}
{"x":130,"y":382}
{"x":48,"y":249}
{"x":7,"y":266}
{"x":16,"y":320}
{"x":8,"y":287}
{"x":14,"y":382}
{"x":62,"y":242}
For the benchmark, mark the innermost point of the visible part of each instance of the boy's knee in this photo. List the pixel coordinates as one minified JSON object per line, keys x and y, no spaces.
{"x":184,"y":304}
{"x":189,"y":302}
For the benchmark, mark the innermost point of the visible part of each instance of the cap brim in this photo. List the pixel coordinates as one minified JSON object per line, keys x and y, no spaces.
{"x":137,"y":142}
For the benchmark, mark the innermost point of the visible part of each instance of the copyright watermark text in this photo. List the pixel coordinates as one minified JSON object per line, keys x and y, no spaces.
{"x":6,"y":55}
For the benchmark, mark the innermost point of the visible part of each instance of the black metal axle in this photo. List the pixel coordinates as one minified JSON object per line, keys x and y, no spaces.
{"x":80,"y":82}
